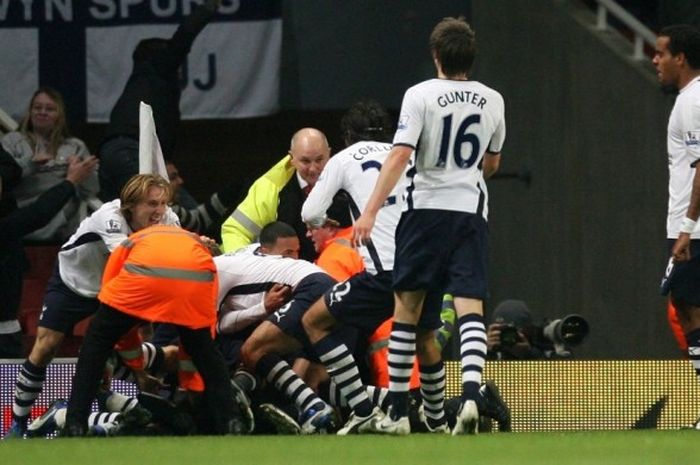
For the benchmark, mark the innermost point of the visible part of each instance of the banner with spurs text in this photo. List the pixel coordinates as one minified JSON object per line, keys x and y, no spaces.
{"x":83,"y":49}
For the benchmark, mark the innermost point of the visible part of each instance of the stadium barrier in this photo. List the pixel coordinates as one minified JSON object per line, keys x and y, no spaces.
{"x":593,"y":395}
{"x":542,"y":395}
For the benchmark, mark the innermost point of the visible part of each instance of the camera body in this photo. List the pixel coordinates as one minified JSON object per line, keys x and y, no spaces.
{"x":509,"y":335}
{"x":553,"y":339}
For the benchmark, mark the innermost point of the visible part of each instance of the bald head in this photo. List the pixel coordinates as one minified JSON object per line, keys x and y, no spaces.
{"x":310,"y":152}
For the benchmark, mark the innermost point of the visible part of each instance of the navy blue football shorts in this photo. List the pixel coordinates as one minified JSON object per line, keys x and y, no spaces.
{"x":685,"y":280}
{"x":306,"y":293}
{"x":63,"y":308}
{"x":365,"y":301}
{"x":442,"y":251}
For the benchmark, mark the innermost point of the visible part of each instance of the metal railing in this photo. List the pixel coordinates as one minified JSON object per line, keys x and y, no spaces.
{"x":642,"y":34}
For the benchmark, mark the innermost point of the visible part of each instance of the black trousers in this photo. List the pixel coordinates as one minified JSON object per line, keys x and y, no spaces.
{"x":108,"y":325}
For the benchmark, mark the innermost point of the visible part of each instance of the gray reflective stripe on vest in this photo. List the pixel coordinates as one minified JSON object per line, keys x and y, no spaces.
{"x":344,"y":242}
{"x":131,"y":354}
{"x":186,"y":365}
{"x":377,"y":346}
{"x":170,"y":273}
{"x":246,"y":222}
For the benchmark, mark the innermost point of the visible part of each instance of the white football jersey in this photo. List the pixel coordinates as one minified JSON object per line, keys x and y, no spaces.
{"x":82,"y":259}
{"x":683,"y":145}
{"x":450,"y":125}
{"x":248,"y":273}
{"x":355,"y":171}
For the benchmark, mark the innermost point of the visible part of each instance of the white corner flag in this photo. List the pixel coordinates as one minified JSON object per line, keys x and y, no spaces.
{"x":150,"y":154}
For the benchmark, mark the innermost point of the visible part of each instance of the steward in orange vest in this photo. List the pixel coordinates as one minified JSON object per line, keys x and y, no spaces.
{"x":163,"y":274}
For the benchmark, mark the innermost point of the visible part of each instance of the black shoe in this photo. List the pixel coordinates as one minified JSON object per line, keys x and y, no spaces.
{"x":168,"y":414}
{"x":236,"y":427}
{"x":73,"y":429}
{"x":492,"y":405}
{"x":240,"y":397}
{"x":133,"y":422}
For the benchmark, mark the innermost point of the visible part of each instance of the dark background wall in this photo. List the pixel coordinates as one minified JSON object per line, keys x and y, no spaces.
{"x":586,"y":236}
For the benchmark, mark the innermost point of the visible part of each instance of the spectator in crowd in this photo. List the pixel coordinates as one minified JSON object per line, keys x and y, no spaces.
{"x":15,"y":223}
{"x":508,"y":336}
{"x":43,"y":148}
{"x":166,"y":274}
{"x":72,"y":290}
{"x":155,"y":80}
{"x":279,"y":194}
{"x":180,"y":195}
{"x":204,"y":218}
{"x":460,"y":144}
{"x":677,"y":62}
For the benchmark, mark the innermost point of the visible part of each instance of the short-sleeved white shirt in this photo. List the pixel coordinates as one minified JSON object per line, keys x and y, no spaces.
{"x":450,"y":125}
{"x":683,"y":146}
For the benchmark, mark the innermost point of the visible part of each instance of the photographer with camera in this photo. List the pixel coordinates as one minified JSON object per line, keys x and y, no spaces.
{"x":511,"y":335}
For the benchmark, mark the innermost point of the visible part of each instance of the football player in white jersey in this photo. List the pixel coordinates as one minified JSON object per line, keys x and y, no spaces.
{"x":677,"y":62}
{"x":72,"y":289}
{"x":242,"y":273}
{"x":457,"y":129}
{"x":365,"y":300}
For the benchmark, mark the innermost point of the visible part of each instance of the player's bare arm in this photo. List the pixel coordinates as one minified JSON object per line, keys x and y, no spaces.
{"x":492,"y":161}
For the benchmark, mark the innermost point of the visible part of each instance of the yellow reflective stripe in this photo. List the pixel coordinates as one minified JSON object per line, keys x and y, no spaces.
{"x":246,"y":222}
{"x":170,"y":273}
{"x":376,"y":346}
{"x":447,"y":302}
{"x":186,"y":365}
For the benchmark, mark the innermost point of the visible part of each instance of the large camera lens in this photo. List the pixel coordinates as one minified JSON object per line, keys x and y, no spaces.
{"x":573,"y":329}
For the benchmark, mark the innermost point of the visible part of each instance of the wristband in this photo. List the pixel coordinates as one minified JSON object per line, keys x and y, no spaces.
{"x":687,"y":226}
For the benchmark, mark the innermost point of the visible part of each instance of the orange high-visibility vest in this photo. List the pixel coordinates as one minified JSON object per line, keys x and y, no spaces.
{"x":162,"y":274}
{"x":678,"y":333}
{"x":338,"y":257}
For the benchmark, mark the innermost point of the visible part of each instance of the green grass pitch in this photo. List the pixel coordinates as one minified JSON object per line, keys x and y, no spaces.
{"x":600,"y":447}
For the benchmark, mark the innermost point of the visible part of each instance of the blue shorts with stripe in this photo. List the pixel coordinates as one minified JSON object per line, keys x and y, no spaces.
{"x":685,"y":278}
{"x":63,"y":308}
{"x":441,"y":252}
{"x":306,"y":293}
{"x":365,"y":301}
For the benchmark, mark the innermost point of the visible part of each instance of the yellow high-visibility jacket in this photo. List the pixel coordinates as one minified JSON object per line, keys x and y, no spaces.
{"x":258,"y":208}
